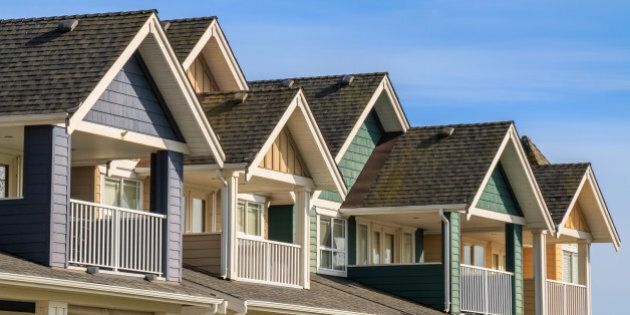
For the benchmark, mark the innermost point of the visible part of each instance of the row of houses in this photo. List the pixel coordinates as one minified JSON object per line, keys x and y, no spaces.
{"x":141,"y":173}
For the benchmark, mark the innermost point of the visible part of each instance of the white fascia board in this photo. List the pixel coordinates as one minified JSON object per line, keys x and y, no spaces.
{"x":507,"y":218}
{"x":283,"y":308}
{"x":403,"y":210}
{"x":576,"y":196}
{"x":108,"y":290}
{"x":33,"y":119}
{"x":574,"y":233}
{"x":398,"y":109}
{"x":282,"y":177}
{"x":152,"y":26}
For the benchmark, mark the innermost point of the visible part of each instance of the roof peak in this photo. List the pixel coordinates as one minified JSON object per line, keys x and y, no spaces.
{"x":78,"y":16}
{"x":490,"y":123}
{"x":534,"y":154}
{"x":193,"y":19}
{"x":320,"y":77}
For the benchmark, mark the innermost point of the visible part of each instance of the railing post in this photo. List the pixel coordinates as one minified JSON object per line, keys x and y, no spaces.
{"x":485,"y":289}
{"x":302,"y":207}
{"x":584,"y":268}
{"x":540,"y":271}
{"x":116,"y":247}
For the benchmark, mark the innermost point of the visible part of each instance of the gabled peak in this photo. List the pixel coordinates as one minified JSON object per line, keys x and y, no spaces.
{"x":534,"y":155}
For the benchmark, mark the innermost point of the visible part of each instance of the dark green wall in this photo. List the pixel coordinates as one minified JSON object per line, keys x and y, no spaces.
{"x":419,"y":283}
{"x":498,"y":195}
{"x":280,"y":223}
{"x":352,"y":241}
{"x":514,"y":263}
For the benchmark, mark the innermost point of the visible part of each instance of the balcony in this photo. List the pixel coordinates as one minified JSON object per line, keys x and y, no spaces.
{"x":486,"y":291}
{"x":566,"y":298}
{"x":115,"y":239}
{"x":267,"y":261}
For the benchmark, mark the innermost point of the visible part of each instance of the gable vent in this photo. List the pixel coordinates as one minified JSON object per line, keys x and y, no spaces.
{"x":67,"y":25}
{"x":446,"y":132}
{"x":346,"y":80}
{"x":287,"y":83}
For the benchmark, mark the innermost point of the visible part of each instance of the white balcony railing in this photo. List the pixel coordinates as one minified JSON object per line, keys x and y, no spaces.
{"x":566,"y":298}
{"x":268,"y":261}
{"x":486,"y":291}
{"x":115,"y":238}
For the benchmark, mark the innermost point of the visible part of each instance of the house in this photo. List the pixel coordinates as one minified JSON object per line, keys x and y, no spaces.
{"x":145,"y":175}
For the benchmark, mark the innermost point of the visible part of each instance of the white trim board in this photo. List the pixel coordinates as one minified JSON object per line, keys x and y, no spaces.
{"x":403,"y":210}
{"x":496,"y":216}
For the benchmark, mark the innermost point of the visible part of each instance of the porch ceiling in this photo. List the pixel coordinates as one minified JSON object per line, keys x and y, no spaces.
{"x":11,"y":138}
{"x":92,"y":148}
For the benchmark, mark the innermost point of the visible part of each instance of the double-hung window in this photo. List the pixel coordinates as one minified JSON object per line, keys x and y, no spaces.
{"x":570,"y":263}
{"x":332,"y":244}
{"x":121,"y":192}
{"x":250,"y":217}
{"x":4,"y":181}
{"x":474,"y":255}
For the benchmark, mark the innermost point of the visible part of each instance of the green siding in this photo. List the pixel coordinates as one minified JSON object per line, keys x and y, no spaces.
{"x":498,"y":195}
{"x":357,"y":154}
{"x":514,"y":263}
{"x":455,"y":250}
{"x":313,"y":236}
{"x":419,"y":245}
{"x":281,"y":223}
{"x":423,"y":284}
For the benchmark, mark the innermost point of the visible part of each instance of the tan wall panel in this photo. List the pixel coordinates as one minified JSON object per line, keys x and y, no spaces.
{"x":203,"y":251}
{"x":83,"y":184}
{"x":528,"y":263}
{"x":433,"y":248}
{"x":576,"y":220}
{"x":529,"y":294}
{"x":554,"y":262}
{"x":284,"y":157}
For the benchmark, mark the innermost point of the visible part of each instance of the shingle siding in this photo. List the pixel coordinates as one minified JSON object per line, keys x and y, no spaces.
{"x":498,"y":195}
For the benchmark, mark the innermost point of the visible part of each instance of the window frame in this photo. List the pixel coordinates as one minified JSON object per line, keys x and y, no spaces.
{"x":574,"y":273}
{"x":386,"y":228}
{"x":122,"y":181}
{"x":7,"y":177}
{"x":321,"y":248}
{"x":251,"y":199}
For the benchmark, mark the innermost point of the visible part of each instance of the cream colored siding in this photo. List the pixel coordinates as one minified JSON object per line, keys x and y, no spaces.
{"x":283,"y":156}
{"x":200,"y":77}
{"x":85,"y":184}
{"x":576,"y":220}
{"x":433,"y":248}
{"x":203,"y":251}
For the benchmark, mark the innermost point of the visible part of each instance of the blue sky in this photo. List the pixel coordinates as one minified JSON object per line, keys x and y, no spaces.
{"x":560,"y":69}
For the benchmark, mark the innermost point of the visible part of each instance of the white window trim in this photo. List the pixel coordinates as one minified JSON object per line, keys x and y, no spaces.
{"x":326,"y":271}
{"x":14,"y":178}
{"x":251,"y":198}
{"x":386,"y":228}
{"x":122,"y":180}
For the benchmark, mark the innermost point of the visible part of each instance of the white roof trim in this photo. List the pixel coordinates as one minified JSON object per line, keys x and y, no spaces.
{"x":214,"y":30}
{"x":32,"y":119}
{"x":495,"y":216}
{"x":384,"y":86}
{"x":152,"y":27}
{"x":403,"y":210}
{"x":299,"y":103}
{"x":109,"y":290}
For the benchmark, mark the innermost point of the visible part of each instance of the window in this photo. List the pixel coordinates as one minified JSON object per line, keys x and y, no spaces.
{"x":376,"y":247}
{"x":388,"y":253}
{"x":407,"y":248}
{"x":198,"y":215}
{"x":384,"y":244}
{"x":569,"y":266}
{"x":332,"y":243}
{"x":4,"y":181}
{"x":474,"y":255}
{"x":250,"y":218}
{"x":362,"y":244}
{"x":124,"y":193}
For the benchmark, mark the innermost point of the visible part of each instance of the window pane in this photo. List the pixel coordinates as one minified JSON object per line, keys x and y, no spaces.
{"x":480,"y":256}
{"x":566,"y":266}
{"x":339,"y":261}
{"x":406,"y":247}
{"x":388,"y":255}
{"x":324,"y":232}
{"x":131,"y":195}
{"x":4,"y":181}
{"x":362,"y":250}
{"x":467,"y":255}
{"x":574,"y":268}
{"x":198,"y":216}
{"x":376,"y":247}
{"x":254,"y":213}
{"x":339,"y":234}
{"x":241,"y":217}
{"x":111,"y":195}
{"x":325,"y":259}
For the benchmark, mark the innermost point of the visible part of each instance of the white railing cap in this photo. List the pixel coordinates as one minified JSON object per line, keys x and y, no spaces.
{"x":102,"y":206}
{"x":258,"y":239}
{"x":566,"y":283}
{"x":487,"y":269}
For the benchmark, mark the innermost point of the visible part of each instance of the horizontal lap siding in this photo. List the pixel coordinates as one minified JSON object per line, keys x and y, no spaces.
{"x":203,"y":251}
{"x":498,"y":195}
{"x":132,"y":102}
{"x":419,"y":283}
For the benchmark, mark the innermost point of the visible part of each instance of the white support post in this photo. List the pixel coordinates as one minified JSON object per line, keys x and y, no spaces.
{"x":303,"y":206}
{"x":584,"y":271}
{"x":540,"y":271}
{"x":51,"y":308}
{"x":229,"y":205}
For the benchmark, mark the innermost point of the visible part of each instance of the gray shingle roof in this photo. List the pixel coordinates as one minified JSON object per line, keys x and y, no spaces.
{"x":559,"y":184}
{"x":17,"y":266}
{"x":43,"y":70}
{"x":325,"y":292}
{"x":534,"y":155}
{"x":336,"y":108}
{"x":425,"y":169}
{"x":184,"y":34}
{"x":243,"y":128}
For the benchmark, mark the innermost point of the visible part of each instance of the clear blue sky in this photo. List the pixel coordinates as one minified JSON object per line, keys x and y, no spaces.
{"x":560,"y":69}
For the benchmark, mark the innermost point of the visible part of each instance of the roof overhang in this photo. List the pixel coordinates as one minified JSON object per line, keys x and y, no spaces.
{"x":33,"y":119}
{"x":595,"y":211}
{"x":521,"y":177}
{"x":152,"y":44}
{"x":402,"y":210}
{"x":215,"y":49}
{"x":300,"y":121}
{"x":385,"y":102}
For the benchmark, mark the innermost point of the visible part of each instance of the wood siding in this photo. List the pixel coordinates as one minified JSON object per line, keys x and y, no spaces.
{"x":514,"y":263}
{"x":554,"y":262}
{"x":530,"y":297}
{"x":203,"y":251}
{"x":433,"y":248}
{"x":313,"y":239}
{"x":283,"y":156}
{"x":498,"y":196}
{"x":576,"y":220}
{"x":132,"y":102}
{"x":86,"y":184}
{"x":200,"y":77}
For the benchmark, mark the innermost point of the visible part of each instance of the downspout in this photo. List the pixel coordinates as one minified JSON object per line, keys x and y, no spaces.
{"x":447,"y":261}
{"x":224,"y":232}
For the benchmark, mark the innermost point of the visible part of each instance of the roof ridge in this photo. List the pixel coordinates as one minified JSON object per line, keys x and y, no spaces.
{"x":321,"y":76}
{"x":271,"y":89}
{"x":193,"y":19}
{"x":489,"y":123}
{"x":567,"y":164}
{"x":78,"y":16}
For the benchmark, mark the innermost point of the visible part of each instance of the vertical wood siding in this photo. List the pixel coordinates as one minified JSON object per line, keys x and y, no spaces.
{"x":283,"y":156}
{"x":200,"y":77}
{"x":576,"y":220}
{"x":132,"y":102}
{"x":498,"y":195}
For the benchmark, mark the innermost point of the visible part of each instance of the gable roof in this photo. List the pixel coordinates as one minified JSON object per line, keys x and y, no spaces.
{"x":327,"y":295}
{"x":337,"y":108}
{"x":534,"y":155}
{"x":559,"y":184}
{"x":424,"y":169}
{"x":184,"y":34}
{"x":43,"y":70}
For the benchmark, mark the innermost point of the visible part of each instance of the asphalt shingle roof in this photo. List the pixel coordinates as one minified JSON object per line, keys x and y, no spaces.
{"x":325,"y":292}
{"x":184,"y":34}
{"x":559,"y":184}
{"x":336,"y":108}
{"x":426,"y":169}
{"x":43,"y":70}
{"x":243,"y":128}
{"x":534,"y":155}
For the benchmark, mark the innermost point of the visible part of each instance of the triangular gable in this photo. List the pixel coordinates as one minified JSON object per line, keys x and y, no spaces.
{"x":498,"y":196}
{"x":132,"y":102}
{"x":284,"y":156}
{"x":201,"y":77}
{"x":576,"y":220}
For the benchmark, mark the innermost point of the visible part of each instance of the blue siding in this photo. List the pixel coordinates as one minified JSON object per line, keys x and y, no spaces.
{"x":132,"y":102}
{"x":167,"y":178}
{"x":498,"y":195}
{"x":34,"y":227}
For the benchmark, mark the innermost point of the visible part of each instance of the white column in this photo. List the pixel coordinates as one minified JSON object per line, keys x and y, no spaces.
{"x":51,"y":308}
{"x":584,"y":271}
{"x":540,"y":271}
{"x":229,"y":203}
{"x":303,"y":206}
